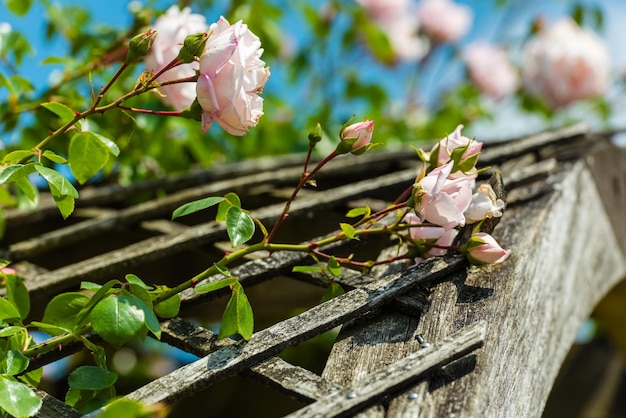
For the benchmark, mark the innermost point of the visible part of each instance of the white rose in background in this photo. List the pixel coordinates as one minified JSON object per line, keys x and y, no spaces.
{"x":490,"y":70}
{"x":444,"y":20}
{"x":566,"y":63}
{"x":396,"y":20}
{"x":172,"y":28}
{"x":232,"y":75}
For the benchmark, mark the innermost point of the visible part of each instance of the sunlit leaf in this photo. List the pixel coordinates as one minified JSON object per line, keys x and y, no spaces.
{"x":239,"y":225}
{"x":131,"y":278}
{"x":18,"y":155}
{"x":230,"y":199}
{"x":63,"y":310}
{"x":18,"y":294}
{"x":333,"y":267}
{"x":8,"y":310}
{"x":54,"y":157}
{"x":348,"y":230}
{"x":238,"y":317}
{"x":195,"y":206}
{"x":87,"y":155}
{"x":150,"y":319}
{"x":59,"y":185}
{"x":117,"y":318}
{"x":214,"y":285}
{"x":306,"y":269}
{"x":65,"y":113}
{"x":168,"y":308}
{"x":333,"y":291}
{"x":19,"y":7}
{"x":13,"y":362}
{"x":91,"y":378}
{"x":17,"y":398}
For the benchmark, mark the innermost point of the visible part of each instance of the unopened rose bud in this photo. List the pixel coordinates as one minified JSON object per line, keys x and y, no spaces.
{"x":193,"y":47}
{"x":483,"y":249}
{"x":140,"y":46}
{"x":315,"y":135}
{"x":356,"y":138}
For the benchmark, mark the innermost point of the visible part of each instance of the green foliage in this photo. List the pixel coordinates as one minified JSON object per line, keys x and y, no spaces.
{"x":237,"y":317}
{"x":91,"y":378}
{"x":18,"y":399}
{"x":334,"y":290}
{"x":195,"y":206}
{"x":118,"y":318}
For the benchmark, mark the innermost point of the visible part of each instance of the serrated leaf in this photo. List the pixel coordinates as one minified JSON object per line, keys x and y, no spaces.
{"x":54,"y":157}
{"x":239,"y":225}
{"x":91,"y":378}
{"x":195,"y":206}
{"x":63,"y":310}
{"x":333,"y":267}
{"x":333,"y":291}
{"x":214,"y":285}
{"x":18,"y":155}
{"x":8,"y":310}
{"x":150,"y":319}
{"x":230,"y":199}
{"x":13,"y":362}
{"x":59,"y":185}
{"x":131,"y":278}
{"x":117,"y":319}
{"x":65,"y":113}
{"x":111,"y":146}
{"x":238,"y":317}
{"x":306,"y":269}
{"x":18,"y":294}
{"x":348,"y":230}
{"x":18,"y":399}
{"x":168,"y":308}
{"x":356,"y":212}
{"x":87,"y":155}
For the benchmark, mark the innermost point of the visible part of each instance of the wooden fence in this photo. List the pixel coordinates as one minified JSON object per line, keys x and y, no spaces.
{"x":437,"y":339}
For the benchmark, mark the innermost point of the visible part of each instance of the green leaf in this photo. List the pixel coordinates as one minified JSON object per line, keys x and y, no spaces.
{"x":91,"y":378}
{"x":65,"y":113}
{"x":11,"y":330}
{"x":17,"y":156}
{"x":238,"y":317}
{"x":15,"y":172}
{"x":214,"y":285}
{"x":126,"y":408}
{"x":90,"y":286}
{"x":195,"y":206}
{"x":223,"y":270}
{"x":348,"y":230}
{"x":356,"y":212}
{"x":17,"y":398}
{"x":63,"y":310}
{"x":168,"y":308}
{"x":32,"y":378}
{"x":50,"y":329}
{"x":239,"y":225}
{"x":230,"y":199}
{"x":117,"y":318}
{"x":150,"y":319}
{"x":65,"y":204}
{"x":59,"y":185}
{"x":19,"y":7}
{"x":306,"y":269}
{"x":101,"y":293}
{"x":28,"y":190}
{"x":333,"y":266}
{"x":110,"y":145}
{"x":8,"y":310}
{"x":13,"y":362}
{"x":333,"y":291}
{"x":131,"y":278}
{"x":54,"y":157}
{"x":87,"y":155}
{"x":18,"y":294}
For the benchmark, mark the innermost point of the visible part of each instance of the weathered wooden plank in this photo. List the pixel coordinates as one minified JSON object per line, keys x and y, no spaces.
{"x":399,"y":374}
{"x":565,"y":256}
{"x":54,"y":408}
{"x":235,"y":358}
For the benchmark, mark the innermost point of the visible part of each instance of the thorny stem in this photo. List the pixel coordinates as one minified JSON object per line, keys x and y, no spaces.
{"x":306,"y":177}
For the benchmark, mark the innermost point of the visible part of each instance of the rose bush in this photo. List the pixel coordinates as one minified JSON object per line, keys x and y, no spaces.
{"x":490,"y":70}
{"x":231,"y":77}
{"x":565,"y":63}
{"x":444,"y":20}
{"x":172,"y":28}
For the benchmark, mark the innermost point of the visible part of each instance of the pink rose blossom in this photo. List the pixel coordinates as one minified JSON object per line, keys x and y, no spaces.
{"x":484,"y":205}
{"x":441,"y":200}
{"x":445,"y":147}
{"x":361,"y":131}
{"x":434,"y":234}
{"x":444,"y":20}
{"x":172,"y":28}
{"x":566,"y":63}
{"x":490,"y":70}
{"x":483,"y":249}
{"x":232,"y":76}
{"x":394,"y":19}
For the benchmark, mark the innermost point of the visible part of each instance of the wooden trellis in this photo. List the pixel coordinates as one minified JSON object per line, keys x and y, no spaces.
{"x":488,"y":331}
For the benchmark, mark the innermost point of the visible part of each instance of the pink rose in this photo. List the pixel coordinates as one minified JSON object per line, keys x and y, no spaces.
{"x":441,"y":200}
{"x":401,"y":29}
{"x":446,"y":147}
{"x":484,"y":205}
{"x":490,"y":70}
{"x":434,"y":234}
{"x":566,"y":63}
{"x":444,"y":20}
{"x":172,"y":28}
{"x":483,"y":249}
{"x":360,"y":133}
{"x":232,"y":76}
